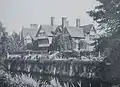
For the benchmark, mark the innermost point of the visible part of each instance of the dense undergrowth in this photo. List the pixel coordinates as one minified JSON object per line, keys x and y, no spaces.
{"x":7,"y":80}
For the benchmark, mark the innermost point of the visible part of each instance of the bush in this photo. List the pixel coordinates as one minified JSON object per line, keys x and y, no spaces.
{"x":6,"y":80}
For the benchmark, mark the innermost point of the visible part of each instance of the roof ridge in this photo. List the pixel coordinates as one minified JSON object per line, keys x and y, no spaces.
{"x":86,"y":25}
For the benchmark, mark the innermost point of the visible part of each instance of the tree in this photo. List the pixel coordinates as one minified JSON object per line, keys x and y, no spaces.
{"x":3,"y":40}
{"x":3,"y":45}
{"x":61,"y":40}
{"x":107,"y":15}
{"x":57,"y":44}
{"x":14,"y":43}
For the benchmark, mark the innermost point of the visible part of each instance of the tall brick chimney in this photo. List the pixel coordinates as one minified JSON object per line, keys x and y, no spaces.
{"x":52,"y":20}
{"x":64,"y":22}
{"x":77,"y":22}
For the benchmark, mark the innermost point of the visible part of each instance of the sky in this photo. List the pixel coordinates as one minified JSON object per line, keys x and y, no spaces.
{"x":14,"y":14}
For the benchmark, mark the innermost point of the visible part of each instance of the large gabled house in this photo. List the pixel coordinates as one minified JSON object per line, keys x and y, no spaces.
{"x":67,"y":37}
{"x":81,"y":37}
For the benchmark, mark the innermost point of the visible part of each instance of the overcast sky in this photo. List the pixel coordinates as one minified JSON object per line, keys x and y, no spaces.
{"x":17,"y":13}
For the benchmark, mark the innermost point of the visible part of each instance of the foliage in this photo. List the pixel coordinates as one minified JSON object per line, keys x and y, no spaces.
{"x":56,"y":43}
{"x":14,"y":44}
{"x":30,"y":46}
{"x":3,"y":39}
{"x":7,"y":80}
{"x":10,"y":43}
{"x":61,"y":40}
{"x":107,"y":15}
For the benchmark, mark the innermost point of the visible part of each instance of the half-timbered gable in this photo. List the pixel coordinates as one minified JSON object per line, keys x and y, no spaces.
{"x":28,"y":34}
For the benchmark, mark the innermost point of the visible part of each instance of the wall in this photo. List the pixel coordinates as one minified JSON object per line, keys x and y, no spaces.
{"x":55,"y":67}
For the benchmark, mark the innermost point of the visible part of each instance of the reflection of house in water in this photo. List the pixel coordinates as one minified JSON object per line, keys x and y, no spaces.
{"x":67,"y":37}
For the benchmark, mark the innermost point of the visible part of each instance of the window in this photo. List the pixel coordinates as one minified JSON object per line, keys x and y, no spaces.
{"x":92,"y":37}
{"x":43,"y":41}
{"x":41,"y":34}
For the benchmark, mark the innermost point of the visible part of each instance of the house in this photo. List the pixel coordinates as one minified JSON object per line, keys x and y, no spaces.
{"x":67,"y":37}
{"x":28,"y":34}
{"x":44,"y":36}
{"x":90,"y":35}
{"x":70,"y":35}
{"x":77,"y":37}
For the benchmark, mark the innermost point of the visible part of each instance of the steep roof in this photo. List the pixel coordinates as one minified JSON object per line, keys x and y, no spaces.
{"x":76,"y":32}
{"x":73,"y":31}
{"x":29,"y":31}
{"x":48,"y":29}
{"x":87,"y":28}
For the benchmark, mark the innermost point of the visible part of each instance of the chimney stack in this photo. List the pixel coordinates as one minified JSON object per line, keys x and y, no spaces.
{"x":34,"y":25}
{"x":77,"y":22}
{"x":64,"y":22}
{"x":52,"y":20}
{"x":67,"y":23}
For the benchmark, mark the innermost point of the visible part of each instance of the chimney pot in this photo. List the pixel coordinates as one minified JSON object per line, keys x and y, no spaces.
{"x":77,"y":22}
{"x":52,"y":20}
{"x":67,"y":23}
{"x":34,"y":25}
{"x":64,"y":22}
